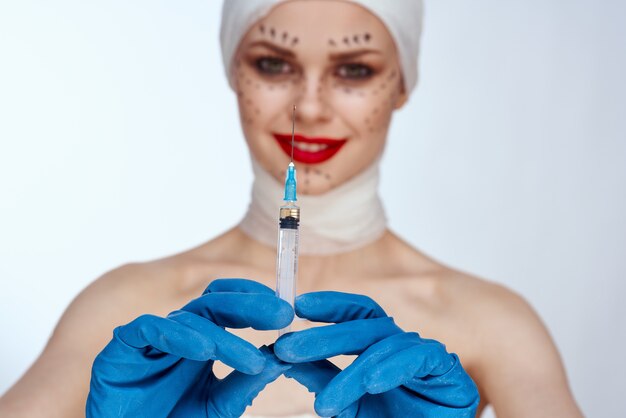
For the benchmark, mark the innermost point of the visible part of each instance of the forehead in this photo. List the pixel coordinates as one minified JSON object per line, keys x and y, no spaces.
{"x":323,"y":23}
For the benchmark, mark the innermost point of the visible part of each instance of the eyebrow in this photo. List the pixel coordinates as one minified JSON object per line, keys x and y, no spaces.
{"x":352,"y":54}
{"x":275,"y":48}
{"x":336,"y":56}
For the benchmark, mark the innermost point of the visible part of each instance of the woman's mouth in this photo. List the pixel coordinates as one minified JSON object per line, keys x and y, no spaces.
{"x":309,"y":150}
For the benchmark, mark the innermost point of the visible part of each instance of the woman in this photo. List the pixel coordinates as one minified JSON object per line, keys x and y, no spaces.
{"x":347,"y":66}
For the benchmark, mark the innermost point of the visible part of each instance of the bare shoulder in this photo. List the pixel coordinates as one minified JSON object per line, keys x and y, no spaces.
{"x":57,"y":384}
{"x":509,"y":351}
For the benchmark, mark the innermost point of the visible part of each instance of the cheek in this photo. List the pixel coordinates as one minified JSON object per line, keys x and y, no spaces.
{"x":371,"y":105}
{"x":259,"y":100}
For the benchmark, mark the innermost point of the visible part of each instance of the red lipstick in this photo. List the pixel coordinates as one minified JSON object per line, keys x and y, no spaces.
{"x":310,"y":150}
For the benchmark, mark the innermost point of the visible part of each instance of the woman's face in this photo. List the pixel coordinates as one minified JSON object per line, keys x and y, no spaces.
{"x":338,"y":65}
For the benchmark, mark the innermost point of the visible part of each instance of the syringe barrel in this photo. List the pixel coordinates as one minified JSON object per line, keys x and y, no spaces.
{"x":287,"y":264}
{"x":287,"y":259}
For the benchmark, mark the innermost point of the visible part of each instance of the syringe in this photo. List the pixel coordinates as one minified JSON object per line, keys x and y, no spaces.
{"x":289,"y":220}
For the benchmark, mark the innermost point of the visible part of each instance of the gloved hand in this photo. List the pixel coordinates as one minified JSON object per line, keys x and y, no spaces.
{"x":396,"y":373}
{"x":158,"y":367}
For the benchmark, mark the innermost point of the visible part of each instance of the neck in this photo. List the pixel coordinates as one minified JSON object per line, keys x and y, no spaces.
{"x":342,"y":220}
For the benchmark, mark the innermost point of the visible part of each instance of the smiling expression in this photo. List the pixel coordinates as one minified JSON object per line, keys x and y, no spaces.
{"x":338,"y":64}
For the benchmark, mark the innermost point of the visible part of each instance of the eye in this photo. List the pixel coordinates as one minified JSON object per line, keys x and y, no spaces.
{"x":354,"y":71}
{"x":273,"y":66}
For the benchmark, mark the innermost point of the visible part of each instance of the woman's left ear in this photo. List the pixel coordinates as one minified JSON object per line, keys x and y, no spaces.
{"x":401,"y":100}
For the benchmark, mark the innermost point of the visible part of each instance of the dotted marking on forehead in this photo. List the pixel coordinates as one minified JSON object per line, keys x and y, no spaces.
{"x":332,"y":42}
{"x":367,"y":37}
{"x":285,"y":34}
{"x":294,"y":41}
{"x":262,"y":28}
{"x":346,"y":41}
{"x":272,"y":32}
{"x":355,"y":38}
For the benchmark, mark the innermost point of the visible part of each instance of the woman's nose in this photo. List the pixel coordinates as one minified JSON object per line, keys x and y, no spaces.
{"x":312,"y":104}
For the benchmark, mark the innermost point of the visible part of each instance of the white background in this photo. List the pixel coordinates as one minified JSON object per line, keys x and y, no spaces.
{"x":118,"y":131}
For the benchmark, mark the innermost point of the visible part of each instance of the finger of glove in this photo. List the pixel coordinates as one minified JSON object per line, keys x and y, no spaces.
{"x":166,"y":336}
{"x":228,"y":348}
{"x":232,"y":395}
{"x":243,"y":310}
{"x":349,"y":385}
{"x":315,"y":376}
{"x":455,"y":388}
{"x":328,"y":306}
{"x":324,"y":342}
{"x":239,"y":286}
{"x":424,"y":358}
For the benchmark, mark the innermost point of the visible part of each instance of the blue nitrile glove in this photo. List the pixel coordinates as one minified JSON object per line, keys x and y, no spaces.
{"x":396,"y":373}
{"x":162,"y":367}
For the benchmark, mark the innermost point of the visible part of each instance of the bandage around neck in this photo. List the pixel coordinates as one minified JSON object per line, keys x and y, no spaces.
{"x":346,"y":218}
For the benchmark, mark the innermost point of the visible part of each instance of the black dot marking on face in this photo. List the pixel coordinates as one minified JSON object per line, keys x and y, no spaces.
{"x":327,"y":176}
{"x":294,"y":41}
{"x":367,"y":37}
{"x":331,"y":42}
{"x":346,"y":41}
{"x":272,"y":32}
{"x":285,"y":36}
{"x":355,"y":38}
{"x":392,"y":75}
{"x":316,"y":171}
{"x":262,"y":28}
{"x":306,"y":170}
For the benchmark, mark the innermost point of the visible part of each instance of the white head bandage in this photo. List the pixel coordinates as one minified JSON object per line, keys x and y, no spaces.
{"x":403,"y":19}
